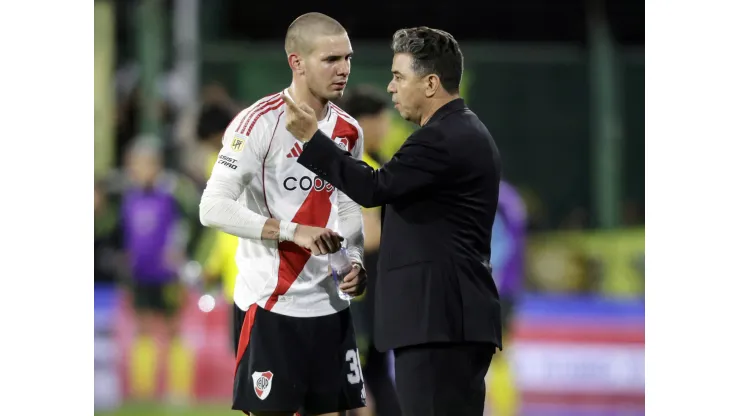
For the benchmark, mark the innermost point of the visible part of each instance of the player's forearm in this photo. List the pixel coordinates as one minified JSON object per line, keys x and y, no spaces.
{"x":219,"y":209}
{"x":231,"y":217}
{"x":351,"y":228}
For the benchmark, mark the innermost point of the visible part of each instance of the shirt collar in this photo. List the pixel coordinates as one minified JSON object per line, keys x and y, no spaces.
{"x":455,"y":105}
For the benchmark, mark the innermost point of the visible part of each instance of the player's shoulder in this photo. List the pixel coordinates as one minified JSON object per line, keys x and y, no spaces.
{"x":259,"y":117}
{"x":344,"y":117}
{"x":347,"y":130}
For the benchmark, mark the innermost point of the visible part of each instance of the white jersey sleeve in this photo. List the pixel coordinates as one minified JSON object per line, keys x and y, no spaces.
{"x":237,"y":165}
{"x":350,"y":213}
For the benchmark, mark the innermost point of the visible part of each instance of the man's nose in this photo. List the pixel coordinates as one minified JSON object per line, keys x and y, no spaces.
{"x":343,"y":68}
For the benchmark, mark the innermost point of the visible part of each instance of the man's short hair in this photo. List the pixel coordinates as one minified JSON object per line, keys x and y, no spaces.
{"x":433,"y":51}
{"x":306,"y":27}
{"x":364,"y":100}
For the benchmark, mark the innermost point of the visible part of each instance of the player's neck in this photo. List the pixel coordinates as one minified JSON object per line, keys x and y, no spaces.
{"x":300,"y":93}
{"x":434,"y":105}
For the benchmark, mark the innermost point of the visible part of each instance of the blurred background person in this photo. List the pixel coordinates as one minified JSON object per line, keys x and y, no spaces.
{"x":370,"y":107}
{"x":196,"y":126}
{"x":220,"y":265}
{"x":155,"y":242}
{"x":212,"y":122}
{"x":508,"y":245}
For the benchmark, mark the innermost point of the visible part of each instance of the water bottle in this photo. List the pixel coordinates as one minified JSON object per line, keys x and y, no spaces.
{"x":341,"y":266}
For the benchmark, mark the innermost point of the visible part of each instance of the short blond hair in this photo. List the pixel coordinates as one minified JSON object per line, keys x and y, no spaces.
{"x":304,"y":29}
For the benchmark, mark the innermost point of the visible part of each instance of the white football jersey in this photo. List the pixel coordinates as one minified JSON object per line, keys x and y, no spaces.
{"x":259,"y":152}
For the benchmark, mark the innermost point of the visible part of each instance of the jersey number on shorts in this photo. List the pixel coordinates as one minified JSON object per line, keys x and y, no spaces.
{"x":355,"y":371}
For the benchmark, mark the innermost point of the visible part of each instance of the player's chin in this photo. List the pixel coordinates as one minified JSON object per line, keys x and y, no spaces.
{"x":335,"y":94}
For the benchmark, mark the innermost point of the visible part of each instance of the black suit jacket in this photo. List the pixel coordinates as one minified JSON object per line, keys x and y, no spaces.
{"x":440,"y":192}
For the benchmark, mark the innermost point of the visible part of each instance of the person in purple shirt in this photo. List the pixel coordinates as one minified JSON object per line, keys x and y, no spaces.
{"x":152,"y":222}
{"x":508,"y":245}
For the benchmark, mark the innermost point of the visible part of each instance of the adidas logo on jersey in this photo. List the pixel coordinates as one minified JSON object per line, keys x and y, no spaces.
{"x":295,"y":151}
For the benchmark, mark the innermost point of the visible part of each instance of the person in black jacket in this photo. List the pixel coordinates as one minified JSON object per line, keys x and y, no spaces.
{"x":437,"y":305}
{"x":369,"y":106}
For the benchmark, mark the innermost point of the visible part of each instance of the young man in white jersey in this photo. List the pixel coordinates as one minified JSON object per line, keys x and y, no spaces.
{"x":297,"y":345}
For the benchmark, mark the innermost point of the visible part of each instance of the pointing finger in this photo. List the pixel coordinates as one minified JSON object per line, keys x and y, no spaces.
{"x":307,"y":108}
{"x":288,"y":101}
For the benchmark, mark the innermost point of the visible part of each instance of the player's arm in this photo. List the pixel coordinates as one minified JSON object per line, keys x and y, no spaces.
{"x":238,"y":162}
{"x":351,"y":227}
{"x":419,"y":163}
{"x":350,"y":215}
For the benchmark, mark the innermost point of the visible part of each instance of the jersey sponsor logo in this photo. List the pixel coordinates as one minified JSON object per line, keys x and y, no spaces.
{"x":262,"y":383}
{"x":237,"y":144}
{"x":306,"y":183}
{"x":227,"y":161}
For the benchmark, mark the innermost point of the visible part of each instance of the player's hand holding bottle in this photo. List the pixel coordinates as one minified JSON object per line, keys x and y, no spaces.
{"x":349,"y":277}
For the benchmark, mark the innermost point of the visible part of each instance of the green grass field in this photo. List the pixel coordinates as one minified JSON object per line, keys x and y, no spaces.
{"x":162,"y":410}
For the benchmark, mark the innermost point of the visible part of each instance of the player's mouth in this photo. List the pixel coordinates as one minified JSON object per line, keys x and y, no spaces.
{"x":339,"y":85}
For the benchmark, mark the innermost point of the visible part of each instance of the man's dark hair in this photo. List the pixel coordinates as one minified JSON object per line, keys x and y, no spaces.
{"x":434,"y":51}
{"x":363,"y":100}
{"x":213,"y":119}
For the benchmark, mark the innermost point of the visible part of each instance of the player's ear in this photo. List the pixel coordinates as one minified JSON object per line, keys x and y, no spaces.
{"x":431,"y":85}
{"x":296,"y":63}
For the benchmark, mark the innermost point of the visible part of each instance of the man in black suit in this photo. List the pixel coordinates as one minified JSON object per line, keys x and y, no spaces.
{"x":436,"y":303}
